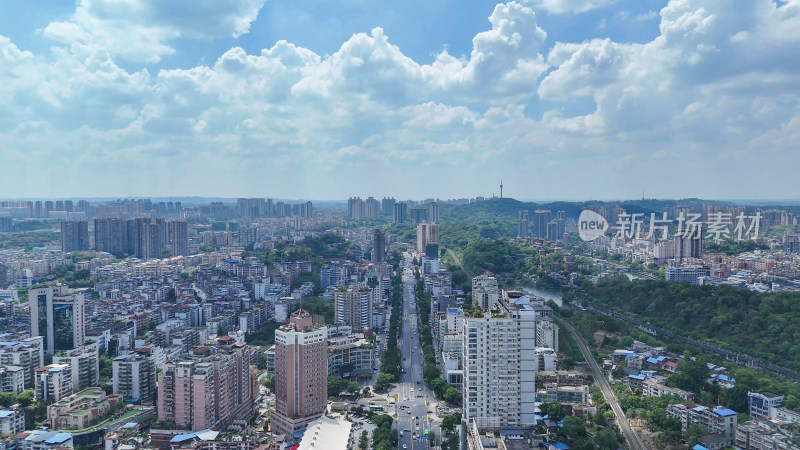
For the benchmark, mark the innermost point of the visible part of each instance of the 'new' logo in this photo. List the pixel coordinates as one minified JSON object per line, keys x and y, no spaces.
{"x":591,"y":225}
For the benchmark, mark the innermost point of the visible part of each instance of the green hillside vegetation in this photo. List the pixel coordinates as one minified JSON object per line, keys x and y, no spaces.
{"x":28,"y":241}
{"x":508,"y":208}
{"x":456,"y":235}
{"x":494,"y":256}
{"x":32,"y":225}
{"x":733,"y":247}
{"x":762,"y":325}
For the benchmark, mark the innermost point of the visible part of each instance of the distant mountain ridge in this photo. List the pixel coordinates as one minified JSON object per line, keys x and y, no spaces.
{"x":508,"y":208}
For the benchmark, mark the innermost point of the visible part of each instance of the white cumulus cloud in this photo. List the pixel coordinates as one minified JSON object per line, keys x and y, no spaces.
{"x":141,"y":30}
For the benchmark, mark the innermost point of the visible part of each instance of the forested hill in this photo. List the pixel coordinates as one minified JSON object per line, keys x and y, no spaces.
{"x":508,"y":208}
{"x":762,"y":325}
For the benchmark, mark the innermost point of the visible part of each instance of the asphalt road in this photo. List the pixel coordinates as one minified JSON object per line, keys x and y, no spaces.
{"x":412,"y":392}
{"x":631,"y":437}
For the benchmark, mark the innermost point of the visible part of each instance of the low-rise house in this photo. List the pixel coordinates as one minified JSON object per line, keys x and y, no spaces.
{"x":652,"y":387}
{"x":43,"y":440}
{"x":718,"y":420}
{"x":83,"y":409}
{"x":12,"y":420}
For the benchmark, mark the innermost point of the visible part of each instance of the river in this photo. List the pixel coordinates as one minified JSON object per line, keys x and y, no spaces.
{"x":546,"y":294}
{"x":556,"y":295}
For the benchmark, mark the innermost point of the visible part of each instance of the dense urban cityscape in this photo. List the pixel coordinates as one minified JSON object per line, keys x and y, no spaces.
{"x":261,"y":324}
{"x":399,"y":225}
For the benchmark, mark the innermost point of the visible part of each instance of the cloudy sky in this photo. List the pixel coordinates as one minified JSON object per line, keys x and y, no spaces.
{"x":572,"y":99}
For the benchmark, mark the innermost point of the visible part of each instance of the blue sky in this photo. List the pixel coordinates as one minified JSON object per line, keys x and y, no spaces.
{"x":571,"y":99}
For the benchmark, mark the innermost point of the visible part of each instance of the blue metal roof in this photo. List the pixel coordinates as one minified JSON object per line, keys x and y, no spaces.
{"x":59,"y":438}
{"x":725,"y":412}
{"x":183,"y":437}
{"x":5,"y":413}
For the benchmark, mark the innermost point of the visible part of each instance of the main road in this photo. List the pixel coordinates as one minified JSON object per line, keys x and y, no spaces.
{"x":414,"y":398}
{"x":634,"y":442}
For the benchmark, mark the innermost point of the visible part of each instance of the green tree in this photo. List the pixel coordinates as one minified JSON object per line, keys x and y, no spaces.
{"x":336,"y":385}
{"x":25,"y":399}
{"x":450,"y":421}
{"x":383,"y":381}
{"x":452,"y":396}
{"x":553,"y":410}
{"x":430,"y":372}
{"x":573,"y":427}
{"x":606,"y":440}
{"x":690,"y":375}
{"x":694,"y":434}
{"x":269,"y":382}
{"x":6,"y":399}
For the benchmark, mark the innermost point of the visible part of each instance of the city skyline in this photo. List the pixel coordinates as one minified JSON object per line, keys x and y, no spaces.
{"x":594,"y":97}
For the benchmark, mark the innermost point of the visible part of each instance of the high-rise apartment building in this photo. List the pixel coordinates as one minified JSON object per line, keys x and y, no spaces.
{"x":685,"y":247}
{"x":372,"y":209}
{"x":210,"y":387}
{"x":134,"y":376}
{"x":387,"y":206}
{"x":552,"y":231}
{"x":541,"y":217}
{"x":378,"y":246}
{"x":250,"y":208}
{"x":353,"y":307}
{"x":485,"y":292}
{"x":58,"y":316}
{"x":422,"y":237}
{"x":74,"y":236}
{"x":306,"y":210}
{"x":433,"y":212}
{"x":84,"y":363}
{"x":500,"y":361}
{"x":301,"y":373}
{"x":53,"y":383}
{"x":355,"y":208}
{"x":433,"y":233}
{"x":144,"y":237}
{"x":110,"y":235}
{"x":177,"y":238}
{"x":427,"y":233}
{"x":419,"y":214}
{"x":400,"y":213}
{"x":522,"y":223}
{"x":27,"y":353}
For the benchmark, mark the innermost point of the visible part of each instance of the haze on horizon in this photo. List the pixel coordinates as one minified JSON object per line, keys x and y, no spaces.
{"x":579,"y":99}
